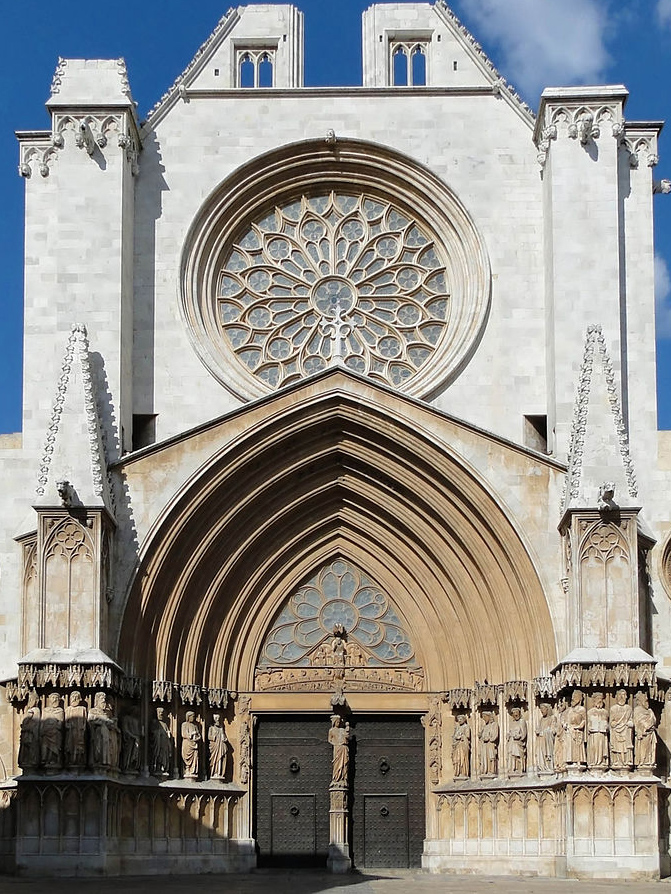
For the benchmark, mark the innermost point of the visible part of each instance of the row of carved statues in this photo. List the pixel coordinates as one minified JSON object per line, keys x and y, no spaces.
{"x":55,"y":738}
{"x":568,"y":736}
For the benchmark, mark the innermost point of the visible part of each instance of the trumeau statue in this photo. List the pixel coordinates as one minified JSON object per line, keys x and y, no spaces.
{"x":75,"y":732}
{"x":597,"y":734}
{"x":546,"y":731}
{"x":103,"y":735}
{"x":160,"y":745}
{"x":191,"y":739}
{"x":339,"y":739}
{"x":621,"y":729}
{"x":645,"y":728}
{"x":131,"y":741}
{"x":461,"y":747}
{"x":575,"y":731}
{"x":29,"y":742}
{"x":516,"y":739}
{"x":218,"y":748}
{"x":489,"y":744}
{"x":51,"y":733}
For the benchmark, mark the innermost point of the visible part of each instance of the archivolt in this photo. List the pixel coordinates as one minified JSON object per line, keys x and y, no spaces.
{"x":333,"y":478}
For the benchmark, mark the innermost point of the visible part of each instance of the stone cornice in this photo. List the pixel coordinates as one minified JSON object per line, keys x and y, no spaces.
{"x":93,"y":130}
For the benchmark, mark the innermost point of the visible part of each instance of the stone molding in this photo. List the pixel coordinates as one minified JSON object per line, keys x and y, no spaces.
{"x":221,"y":29}
{"x":595,"y":350}
{"x":500,"y":85}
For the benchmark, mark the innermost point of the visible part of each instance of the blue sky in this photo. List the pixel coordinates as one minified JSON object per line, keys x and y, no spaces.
{"x":532,"y":42}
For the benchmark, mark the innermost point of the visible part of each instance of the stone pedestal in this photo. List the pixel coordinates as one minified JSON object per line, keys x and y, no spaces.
{"x":339,"y":859}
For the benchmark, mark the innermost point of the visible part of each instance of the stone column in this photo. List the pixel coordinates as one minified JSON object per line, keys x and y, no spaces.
{"x":339,"y":858}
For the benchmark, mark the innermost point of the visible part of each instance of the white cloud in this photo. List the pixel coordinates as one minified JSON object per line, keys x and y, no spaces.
{"x":545,"y":42}
{"x":664,"y":13}
{"x":662,"y":297}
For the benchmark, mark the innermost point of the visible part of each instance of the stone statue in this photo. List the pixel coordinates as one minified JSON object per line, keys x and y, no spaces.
{"x":103,"y":735}
{"x":339,"y":739}
{"x":131,"y":742}
{"x":489,"y":744}
{"x":75,"y":732}
{"x":597,"y":734}
{"x":191,"y":739}
{"x":561,"y":725}
{"x":160,"y":745}
{"x":621,"y":728}
{"x":546,"y":731}
{"x":645,"y":728}
{"x":575,"y":731}
{"x":29,"y":741}
{"x":218,"y":747}
{"x":516,"y":740}
{"x":461,"y":747}
{"x":51,"y":733}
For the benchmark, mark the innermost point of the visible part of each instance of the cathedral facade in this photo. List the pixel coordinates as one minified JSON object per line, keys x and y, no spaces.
{"x":338,"y":529}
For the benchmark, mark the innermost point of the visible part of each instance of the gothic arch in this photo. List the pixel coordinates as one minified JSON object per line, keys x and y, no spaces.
{"x":322,"y":479}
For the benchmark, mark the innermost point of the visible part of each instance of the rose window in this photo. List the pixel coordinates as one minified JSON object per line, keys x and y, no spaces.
{"x":334,"y":278}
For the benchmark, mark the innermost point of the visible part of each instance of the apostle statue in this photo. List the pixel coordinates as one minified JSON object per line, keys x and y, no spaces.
{"x":597,"y":734}
{"x":621,"y":729}
{"x":51,"y":733}
{"x":516,"y":741}
{"x":645,"y":728}
{"x":561,"y":725}
{"x":160,"y":745}
{"x":29,"y":740}
{"x":103,"y":735}
{"x":191,"y":739}
{"x":461,"y":747}
{"x":131,"y":741}
{"x":575,"y":732}
{"x":339,"y":739}
{"x":489,"y":744}
{"x":546,"y":731}
{"x":218,"y":748}
{"x":75,"y":732}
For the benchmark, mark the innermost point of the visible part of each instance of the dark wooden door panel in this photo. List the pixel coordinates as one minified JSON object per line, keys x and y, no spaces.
{"x":385,"y":831}
{"x":293,"y":773}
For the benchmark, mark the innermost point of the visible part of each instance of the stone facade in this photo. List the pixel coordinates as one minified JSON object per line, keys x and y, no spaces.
{"x":338,"y":402}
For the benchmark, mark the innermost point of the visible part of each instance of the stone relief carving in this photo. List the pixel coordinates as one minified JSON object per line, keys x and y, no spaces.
{"x":339,"y":736}
{"x":160,"y":744}
{"x":131,"y":741}
{"x":645,"y":728}
{"x":51,"y":733}
{"x":191,"y":739}
{"x":218,"y":748}
{"x":29,"y":737}
{"x":560,"y":743}
{"x":461,"y":747}
{"x":597,"y":734}
{"x":621,"y":733}
{"x":104,"y":735}
{"x":575,"y":732}
{"x":489,"y":744}
{"x":546,"y":732}
{"x":516,"y":740}
{"x":75,"y":731}
{"x":245,"y":738}
{"x":432,"y":722}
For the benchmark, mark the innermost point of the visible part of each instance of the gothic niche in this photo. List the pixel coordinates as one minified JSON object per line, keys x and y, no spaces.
{"x":338,"y":631}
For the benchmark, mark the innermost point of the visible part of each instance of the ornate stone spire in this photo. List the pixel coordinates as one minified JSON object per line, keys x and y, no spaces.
{"x":598,"y":462}
{"x":73,"y":469}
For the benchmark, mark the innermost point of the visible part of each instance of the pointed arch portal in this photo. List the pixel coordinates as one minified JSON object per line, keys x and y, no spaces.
{"x":325,"y":480}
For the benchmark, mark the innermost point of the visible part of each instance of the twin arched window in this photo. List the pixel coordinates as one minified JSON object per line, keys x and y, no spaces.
{"x":256,"y":68}
{"x":408,"y":64}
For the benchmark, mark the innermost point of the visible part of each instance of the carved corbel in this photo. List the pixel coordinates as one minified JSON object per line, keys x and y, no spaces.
{"x":549,"y":134}
{"x":85,"y":138}
{"x":662,"y":187}
{"x":584,"y":128}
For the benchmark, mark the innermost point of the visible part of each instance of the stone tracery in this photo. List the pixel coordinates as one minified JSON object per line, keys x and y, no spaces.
{"x":316,"y":259}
